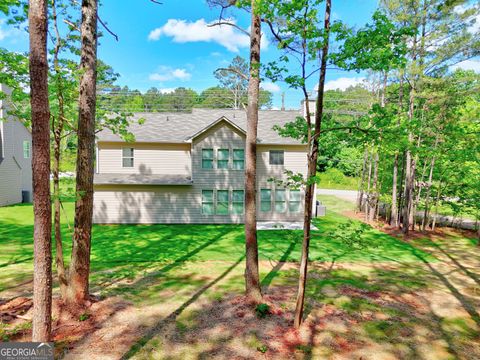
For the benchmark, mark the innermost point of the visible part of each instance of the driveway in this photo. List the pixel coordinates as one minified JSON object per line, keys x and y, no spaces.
{"x":348,"y":195}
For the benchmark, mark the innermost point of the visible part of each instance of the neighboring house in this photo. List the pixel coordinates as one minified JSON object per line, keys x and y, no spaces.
{"x":15,"y":157}
{"x":189,"y":168}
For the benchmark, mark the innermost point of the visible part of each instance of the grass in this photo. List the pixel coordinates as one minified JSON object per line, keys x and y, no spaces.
{"x":335,"y":179}
{"x":127,"y":251}
{"x":189,"y":270}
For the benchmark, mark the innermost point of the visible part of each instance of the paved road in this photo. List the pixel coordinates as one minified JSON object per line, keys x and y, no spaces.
{"x":348,"y":195}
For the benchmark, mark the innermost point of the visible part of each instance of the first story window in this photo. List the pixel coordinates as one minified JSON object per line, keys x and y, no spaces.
{"x":238,"y":159}
{"x":26,"y":149}
{"x":294,"y":201}
{"x":127,"y":157}
{"x":276,"y":157}
{"x":280,"y":201}
{"x":207,"y":158}
{"x":207,"y":202}
{"x":238,"y":201}
{"x":265,"y":200}
{"x":222,"y":202}
{"x":222,"y":158}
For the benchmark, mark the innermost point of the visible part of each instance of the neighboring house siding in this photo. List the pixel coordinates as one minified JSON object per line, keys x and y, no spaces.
{"x":148,"y":158}
{"x":183,"y":204}
{"x":15,"y":170}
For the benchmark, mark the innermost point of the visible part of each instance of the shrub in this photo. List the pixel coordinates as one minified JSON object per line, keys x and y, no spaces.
{"x":262,"y":310}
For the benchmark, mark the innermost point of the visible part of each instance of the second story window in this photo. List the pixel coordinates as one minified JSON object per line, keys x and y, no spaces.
{"x":276,"y":157}
{"x":127,"y":157}
{"x":238,"y":159}
{"x":223,"y":156}
{"x":207,"y":158}
{"x":26,"y":149}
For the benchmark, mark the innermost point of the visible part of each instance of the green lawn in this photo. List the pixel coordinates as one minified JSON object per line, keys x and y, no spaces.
{"x":181,"y":282}
{"x":124,"y":250}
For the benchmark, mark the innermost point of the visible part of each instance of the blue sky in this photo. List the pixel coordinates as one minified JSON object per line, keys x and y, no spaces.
{"x":169,"y":45}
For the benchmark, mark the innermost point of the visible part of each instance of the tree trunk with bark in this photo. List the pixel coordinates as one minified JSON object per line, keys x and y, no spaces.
{"x":42,"y":211}
{"x":312,"y":169}
{"x":368,"y":195}
{"x":80,"y":263}
{"x":374,"y":193}
{"x":362,"y":182}
{"x":252,"y":279}
{"x":58,"y":125}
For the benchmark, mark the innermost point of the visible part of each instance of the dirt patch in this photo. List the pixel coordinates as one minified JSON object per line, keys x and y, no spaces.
{"x":67,"y":329}
{"x":439,"y":233}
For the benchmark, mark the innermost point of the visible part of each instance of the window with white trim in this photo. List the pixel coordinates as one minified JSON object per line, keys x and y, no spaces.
{"x":294,"y":201}
{"x":26,"y":149}
{"x":222,"y":202}
{"x":238,"y":159}
{"x":238,"y":201}
{"x":223,"y":155}
{"x":207,"y":158}
{"x":127,"y":157}
{"x":265,"y":200}
{"x":207,"y":202}
{"x":276,"y":157}
{"x":280,"y":201}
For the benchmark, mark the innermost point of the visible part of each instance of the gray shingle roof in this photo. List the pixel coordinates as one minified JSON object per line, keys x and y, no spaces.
{"x":141,"y":179}
{"x":180,"y":127}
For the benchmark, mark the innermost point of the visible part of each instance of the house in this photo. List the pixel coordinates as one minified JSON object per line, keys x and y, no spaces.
{"x":15,"y":156}
{"x":189,"y":168}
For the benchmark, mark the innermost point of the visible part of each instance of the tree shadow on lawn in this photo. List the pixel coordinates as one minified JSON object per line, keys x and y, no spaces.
{"x":355,"y":311}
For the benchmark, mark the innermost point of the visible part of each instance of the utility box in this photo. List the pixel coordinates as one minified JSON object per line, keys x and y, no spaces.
{"x":320,"y":210}
{"x":26,"y":196}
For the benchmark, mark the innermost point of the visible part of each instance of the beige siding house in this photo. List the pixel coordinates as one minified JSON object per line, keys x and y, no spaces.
{"x":189,"y":168}
{"x":15,"y":156}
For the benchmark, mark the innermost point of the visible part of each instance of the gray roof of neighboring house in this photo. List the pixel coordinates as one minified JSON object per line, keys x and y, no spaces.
{"x":180,"y":127}
{"x":141,"y":179}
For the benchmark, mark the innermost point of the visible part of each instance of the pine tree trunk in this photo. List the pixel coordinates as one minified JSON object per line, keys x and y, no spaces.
{"x":409,"y":172}
{"x":394,"y":211}
{"x":394,"y":220}
{"x":429,"y":186}
{"x":374,"y":193}
{"x":57,"y":138}
{"x":80,"y":264}
{"x":252,"y":279}
{"x":42,"y":211}
{"x":368,"y":196}
{"x":362,"y":181}
{"x":312,"y":170}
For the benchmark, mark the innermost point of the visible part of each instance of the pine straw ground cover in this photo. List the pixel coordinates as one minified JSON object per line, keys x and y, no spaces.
{"x":175,"y":292}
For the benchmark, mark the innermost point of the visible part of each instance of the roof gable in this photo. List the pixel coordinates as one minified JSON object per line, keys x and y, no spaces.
{"x":218,"y":121}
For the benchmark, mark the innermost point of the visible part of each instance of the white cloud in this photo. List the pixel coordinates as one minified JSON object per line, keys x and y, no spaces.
{"x":269,"y":86}
{"x":12,"y":33}
{"x":183,"y":31}
{"x":468,"y":65}
{"x":475,"y":26}
{"x":166,"y":90}
{"x":166,"y":73}
{"x":343,"y":83}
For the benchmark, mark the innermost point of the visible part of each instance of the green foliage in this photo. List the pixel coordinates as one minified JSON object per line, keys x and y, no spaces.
{"x":83,"y":317}
{"x":262,"y":310}
{"x":335,"y":179}
{"x":351,"y":234}
{"x":262,"y":348}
